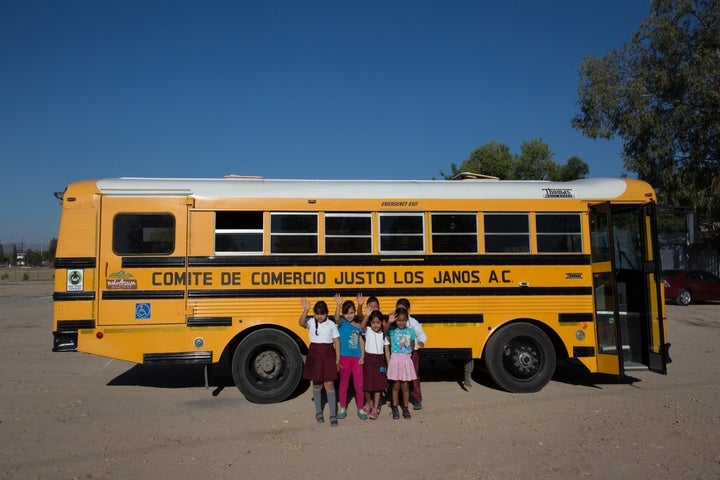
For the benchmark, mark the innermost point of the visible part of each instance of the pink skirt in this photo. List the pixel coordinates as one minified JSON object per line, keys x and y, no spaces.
{"x":401,"y":367}
{"x":320,"y":363}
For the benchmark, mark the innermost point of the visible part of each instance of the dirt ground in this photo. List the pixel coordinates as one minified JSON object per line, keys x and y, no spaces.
{"x":72,"y":415}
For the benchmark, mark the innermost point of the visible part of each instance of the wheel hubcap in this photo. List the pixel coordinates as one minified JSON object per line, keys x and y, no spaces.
{"x":521,"y":359}
{"x":268,"y":365}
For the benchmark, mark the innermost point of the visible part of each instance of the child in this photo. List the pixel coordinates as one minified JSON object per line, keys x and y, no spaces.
{"x":400,"y":367}
{"x":420,"y":340}
{"x":323,"y":359}
{"x":375,"y":366}
{"x":352,"y":356}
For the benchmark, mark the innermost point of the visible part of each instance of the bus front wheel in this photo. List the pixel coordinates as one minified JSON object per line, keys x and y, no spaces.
{"x":520,"y":358}
{"x":267,"y":366}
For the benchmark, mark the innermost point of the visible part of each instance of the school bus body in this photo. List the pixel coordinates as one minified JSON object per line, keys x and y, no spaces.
{"x":516,"y":273}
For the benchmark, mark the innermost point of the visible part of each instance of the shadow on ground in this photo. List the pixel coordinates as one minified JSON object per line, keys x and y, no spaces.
{"x":218,"y":378}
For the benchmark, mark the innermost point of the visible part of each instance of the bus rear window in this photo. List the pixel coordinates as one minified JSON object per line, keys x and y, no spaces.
{"x":143,"y":233}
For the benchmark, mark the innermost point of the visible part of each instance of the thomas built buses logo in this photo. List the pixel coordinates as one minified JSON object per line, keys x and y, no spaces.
{"x":558,"y":193}
{"x":121,"y":280}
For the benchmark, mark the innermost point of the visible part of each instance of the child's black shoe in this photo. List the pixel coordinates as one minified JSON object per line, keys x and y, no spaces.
{"x":395,"y":413}
{"x":406,"y":413}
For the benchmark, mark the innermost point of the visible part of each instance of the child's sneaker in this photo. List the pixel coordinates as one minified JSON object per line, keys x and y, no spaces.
{"x":362,"y":414}
{"x":374,"y":414}
{"x":406,"y":413}
{"x":333,"y":422}
{"x":342,"y":413}
{"x":368,"y":407}
{"x":395,"y":413}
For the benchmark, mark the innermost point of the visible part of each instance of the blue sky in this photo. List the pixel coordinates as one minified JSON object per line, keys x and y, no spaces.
{"x":285,"y":89}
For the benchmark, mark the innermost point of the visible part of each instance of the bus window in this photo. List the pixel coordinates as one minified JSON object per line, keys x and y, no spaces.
{"x":507,"y":233}
{"x":238,"y":232}
{"x":454,"y":233}
{"x":348,"y":233}
{"x":293,"y":233}
{"x":402,"y":233}
{"x":558,"y":233}
{"x":142,"y":233}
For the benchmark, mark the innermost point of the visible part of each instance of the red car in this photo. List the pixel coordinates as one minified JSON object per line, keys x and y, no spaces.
{"x":687,"y":286}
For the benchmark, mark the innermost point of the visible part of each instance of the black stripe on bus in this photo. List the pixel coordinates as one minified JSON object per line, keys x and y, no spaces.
{"x":394,"y":292}
{"x":453,"y":318}
{"x":74,"y":325}
{"x":72,"y":296}
{"x":575,"y":317}
{"x":177,"y":357}
{"x":583,"y":352}
{"x":209,"y":321}
{"x":446,"y":353}
{"x":351,"y":260}
{"x":142,"y":294}
{"x":85,"y":262}
{"x":153,"y":262}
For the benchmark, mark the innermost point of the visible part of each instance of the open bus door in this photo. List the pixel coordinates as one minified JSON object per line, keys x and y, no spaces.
{"x":629,"y":318}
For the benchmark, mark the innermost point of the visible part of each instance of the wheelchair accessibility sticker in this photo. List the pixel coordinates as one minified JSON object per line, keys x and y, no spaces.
{"x":142,"y":311}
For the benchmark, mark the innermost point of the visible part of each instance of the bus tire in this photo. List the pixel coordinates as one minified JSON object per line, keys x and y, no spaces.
{"x":520,"y":358}
{"x":267,"y":366}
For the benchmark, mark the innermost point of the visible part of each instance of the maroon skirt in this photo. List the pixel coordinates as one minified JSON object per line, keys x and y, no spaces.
{"x":320,"y":365}
{"x":373,"y":379}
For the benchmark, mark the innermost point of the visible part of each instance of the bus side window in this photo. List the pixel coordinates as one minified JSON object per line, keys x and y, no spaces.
{"x":454,"y":233}
{"x":293,"y":233}
{"x":238,"y":232}
{"x":507,"y":233}
{"x":558,"y":233}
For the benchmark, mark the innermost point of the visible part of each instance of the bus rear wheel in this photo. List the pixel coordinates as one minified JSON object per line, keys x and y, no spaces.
{"x":520,"y":358}
{"x":267,"y":366}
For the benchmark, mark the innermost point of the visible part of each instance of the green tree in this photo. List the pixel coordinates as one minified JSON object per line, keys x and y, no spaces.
{"x":492,"y":159}
{"x":32,"y":258}
{"x":49,"y":254}
{"x":535,"y":162}
{"x":574,"y":168}
{"x":660,"y":93}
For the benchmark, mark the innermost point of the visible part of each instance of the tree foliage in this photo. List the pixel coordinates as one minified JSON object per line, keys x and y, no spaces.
{"x":534,"y":162}
{"x":660,"y":93}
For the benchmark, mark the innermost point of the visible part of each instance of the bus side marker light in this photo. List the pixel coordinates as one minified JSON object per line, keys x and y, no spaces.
{"x":199,"y":342}
{"x":99,"y":335}
{"x":580,"y":335}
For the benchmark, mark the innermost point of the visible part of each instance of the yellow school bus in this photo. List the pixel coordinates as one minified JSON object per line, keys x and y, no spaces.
{"x":516,"y":274}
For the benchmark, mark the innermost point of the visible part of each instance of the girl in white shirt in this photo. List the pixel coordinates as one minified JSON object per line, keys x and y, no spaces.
{"x":323,"y":359}
{"x":375,"y":366}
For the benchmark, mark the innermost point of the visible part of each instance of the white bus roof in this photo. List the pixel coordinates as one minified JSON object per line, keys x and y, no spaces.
{"x":255,"y":187}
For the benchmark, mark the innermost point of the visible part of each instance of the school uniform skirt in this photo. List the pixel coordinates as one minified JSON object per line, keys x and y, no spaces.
{"x":401,"y":367}
{"x":373,"y":379}
{"x":320,"y":363}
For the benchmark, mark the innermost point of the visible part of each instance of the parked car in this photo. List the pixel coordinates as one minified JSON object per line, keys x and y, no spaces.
{"x":687,"y":286}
